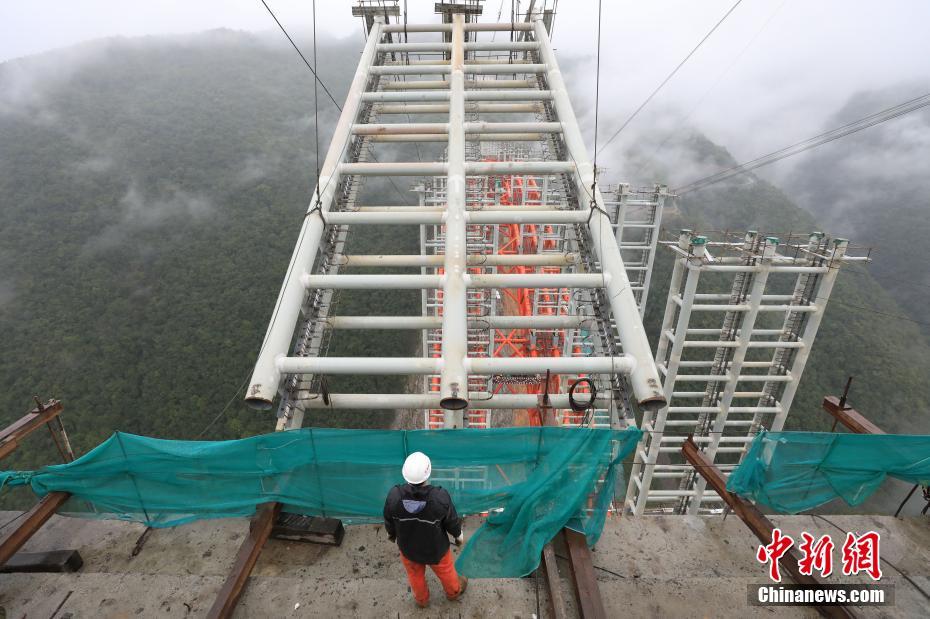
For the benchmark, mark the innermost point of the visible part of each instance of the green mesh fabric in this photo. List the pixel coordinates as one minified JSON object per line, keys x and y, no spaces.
{"x":533,"y":481}
{"x":791,"y":472}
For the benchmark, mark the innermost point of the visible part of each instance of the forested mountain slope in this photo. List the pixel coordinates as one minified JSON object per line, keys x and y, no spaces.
{"x":875,"y":186}
{"x":150,"y":195}
{"x":150,"y":192}
{"x":865,"y":333}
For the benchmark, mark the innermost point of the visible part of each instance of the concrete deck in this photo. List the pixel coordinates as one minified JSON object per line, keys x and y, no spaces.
{"x":673,"y":566}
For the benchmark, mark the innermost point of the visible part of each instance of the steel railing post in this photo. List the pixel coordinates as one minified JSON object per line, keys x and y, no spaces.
{"x":453,"y":382}
{"x":266,"y":377}
{"x":645,"y":382}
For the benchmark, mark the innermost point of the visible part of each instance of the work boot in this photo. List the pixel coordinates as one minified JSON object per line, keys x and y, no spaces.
{"x":463,"y":584}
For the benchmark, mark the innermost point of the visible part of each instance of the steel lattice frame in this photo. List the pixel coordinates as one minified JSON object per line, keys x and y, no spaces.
{"x":519,"y":245}
{"x":732,"y":356}
{"x":530,"y":278}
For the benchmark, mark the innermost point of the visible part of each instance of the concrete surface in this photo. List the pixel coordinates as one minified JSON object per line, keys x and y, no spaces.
{"x":671,"y":566}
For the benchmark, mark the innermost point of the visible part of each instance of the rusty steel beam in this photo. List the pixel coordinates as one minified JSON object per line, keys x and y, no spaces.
{"x":32,"y":522}
{"x":259,"y":530}
{"x":849,"y":417}
{"x":13,"y":434}
{"x":590,"y":603}
{"x":754,"y":519}
{"x":553,"y":582}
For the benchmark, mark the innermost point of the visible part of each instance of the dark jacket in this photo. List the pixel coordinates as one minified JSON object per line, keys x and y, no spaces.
{"x":421,"y":518}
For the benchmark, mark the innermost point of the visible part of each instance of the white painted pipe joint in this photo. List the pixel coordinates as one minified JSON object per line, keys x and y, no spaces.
{"x":621,"y":364}
{"x":359,"y":365}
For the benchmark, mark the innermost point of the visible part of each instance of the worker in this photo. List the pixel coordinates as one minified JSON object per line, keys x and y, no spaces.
{"x":419,"y":518}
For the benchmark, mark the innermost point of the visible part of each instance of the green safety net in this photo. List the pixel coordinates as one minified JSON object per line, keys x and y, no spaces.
{"x":531,"y":480}
{"x":795,"y":471}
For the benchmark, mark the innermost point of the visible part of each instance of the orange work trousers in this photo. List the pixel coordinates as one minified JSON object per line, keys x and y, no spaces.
{"x":445,"y":570}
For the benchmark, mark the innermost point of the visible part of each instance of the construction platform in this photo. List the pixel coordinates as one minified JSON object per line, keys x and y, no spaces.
{"x":657,"y":566}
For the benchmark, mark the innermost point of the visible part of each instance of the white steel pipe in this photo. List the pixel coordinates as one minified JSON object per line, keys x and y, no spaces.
{"x":435,"y":322}
{"x":623,"y":364}
{"x":443,"y":95}
{"x":439,"y":67}
{"x":472,"y":127}
{"x":732,"y":268}
{"x":403,"y":96}
{"x":359,"y":365}
{"x":472,"y":137}
{"x":537,"y":280}
{"x":412,"y":69}
{"x":399,"y":128}
{"x":485,"y":168}
{"x":404,"y":168}
{"x":645,"y":381}
{"x":453,"y":381}
{"x":471,"y":168}
{"x":504,"y":69}
{"x":417,"y":85}
{"x":515,"y":216}
{"x":372,"y":282}
{"x":508,"y":127}
{"x":501,"y":46}
{"x":471,"y":95}
{"x":414,"y":47}
{"x":422,"y":260}
{"x":470,"y":27}
{"x":443,"y":108}
{"x":508,"y":95}
{"x":432,"y":62}
{"x":488,"y":401}
{"x":528,"y":216}
{"x":499,"y":84}
{"x":266,"y":377}
{"x":444,"y":84}
{"x":417,"y":282}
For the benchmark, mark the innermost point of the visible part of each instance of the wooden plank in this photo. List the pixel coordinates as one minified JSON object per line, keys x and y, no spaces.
{"x":311,"y":529}
{"x":32,"y":522}
{"x":590,"y":603}
{"x":259,"y":531}
{"x":850,"y":417}
{"x":754,"y":519}
{"x":553,"y":582}
{"x":13,"y":434}
{"x":55,"y":561}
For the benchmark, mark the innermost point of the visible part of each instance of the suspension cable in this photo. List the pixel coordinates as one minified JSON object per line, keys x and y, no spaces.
{"x":670,"y":75}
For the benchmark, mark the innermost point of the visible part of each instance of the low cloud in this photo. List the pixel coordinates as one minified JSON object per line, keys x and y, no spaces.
{"x":140,"y":212}
{"x":258,"y":167}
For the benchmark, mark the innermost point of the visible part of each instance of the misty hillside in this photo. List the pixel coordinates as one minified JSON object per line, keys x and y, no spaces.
{"x":150,"y":195}
{"x":151,"y":192}
{"x":860,"y":336}
{"x":874,"y":186}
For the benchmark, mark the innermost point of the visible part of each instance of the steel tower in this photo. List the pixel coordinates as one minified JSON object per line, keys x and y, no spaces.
{"x":533,"y":281}
{"x":524,"y":285}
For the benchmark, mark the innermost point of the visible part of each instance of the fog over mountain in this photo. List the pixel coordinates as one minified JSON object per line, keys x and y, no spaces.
{"x":151,"y":189}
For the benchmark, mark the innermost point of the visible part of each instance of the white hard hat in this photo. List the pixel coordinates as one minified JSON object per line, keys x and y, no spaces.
{"x":417,"y":468}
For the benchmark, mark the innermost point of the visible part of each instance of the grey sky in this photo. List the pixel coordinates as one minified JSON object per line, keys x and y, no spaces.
{"x":771,"y":74}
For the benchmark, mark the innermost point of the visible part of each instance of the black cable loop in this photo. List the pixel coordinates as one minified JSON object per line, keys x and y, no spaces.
{"x":575,"y":406}
{"x":596,"y":207}
{"x":318,"y":207}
